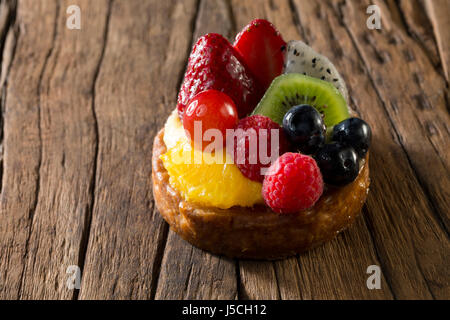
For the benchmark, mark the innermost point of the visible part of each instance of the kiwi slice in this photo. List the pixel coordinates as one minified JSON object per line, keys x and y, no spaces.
{"x":292,"y":89}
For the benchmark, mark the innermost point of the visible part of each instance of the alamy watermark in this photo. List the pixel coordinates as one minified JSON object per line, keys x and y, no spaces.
{"x":74,"y":279}
{"x":374,"y":20}
{"x":73,"y":21}
{"x":374,"y":280}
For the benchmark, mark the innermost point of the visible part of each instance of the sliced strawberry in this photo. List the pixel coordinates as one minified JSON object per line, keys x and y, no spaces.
{"x":261,"y":47}
{"x":215,"y":64}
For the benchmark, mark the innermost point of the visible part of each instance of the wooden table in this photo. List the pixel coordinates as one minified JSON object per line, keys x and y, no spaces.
{"x":80,"y":109}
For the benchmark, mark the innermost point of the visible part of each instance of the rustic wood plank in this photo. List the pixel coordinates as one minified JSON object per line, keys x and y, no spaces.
{"x":67,"y":127}
{"x":190,"y":273}
{"x":408,"y":16}
{"x":417,"y":107}
{"x":288,"y":279}
{"x":65,"y":130}
{"x":187,"y":272}
{"x":22,"y":144}
{"x":336,"y":270}
{"x":135,"y":91}
{"x":214,"y":16}
{"x":258,"y":280}
{"x":399,"y":212}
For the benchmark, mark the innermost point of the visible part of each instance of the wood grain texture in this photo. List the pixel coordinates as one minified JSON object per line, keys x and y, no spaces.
{"x":23,"y":145}
{"x":122,"y":259}
{"x":80,"y":109}
{"x":67,"y":156}
{"x":190,"y":273}
{"x":421,"y":114}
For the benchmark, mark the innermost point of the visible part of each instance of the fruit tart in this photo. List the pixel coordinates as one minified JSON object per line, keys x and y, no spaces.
{"x":262,"y":157}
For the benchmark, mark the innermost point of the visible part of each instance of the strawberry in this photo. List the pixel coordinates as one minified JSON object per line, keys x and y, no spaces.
{"x":215,"y":64}
{"x":261,"y":47}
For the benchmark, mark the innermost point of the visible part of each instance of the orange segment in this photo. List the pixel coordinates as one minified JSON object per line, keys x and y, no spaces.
{"x":208,"y":182}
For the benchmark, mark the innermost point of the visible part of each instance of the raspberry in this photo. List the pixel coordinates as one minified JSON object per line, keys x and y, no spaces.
{"x":293,"y":183}
{"x":247,"y":156}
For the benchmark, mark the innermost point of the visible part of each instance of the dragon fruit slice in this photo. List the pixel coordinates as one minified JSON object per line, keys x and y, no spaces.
{"x":301,"y":58}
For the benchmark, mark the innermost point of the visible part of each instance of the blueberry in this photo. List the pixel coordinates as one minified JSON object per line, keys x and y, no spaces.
{"x":304,"y":126}
{"x":338,"y":163}
{"x":353,"y":132}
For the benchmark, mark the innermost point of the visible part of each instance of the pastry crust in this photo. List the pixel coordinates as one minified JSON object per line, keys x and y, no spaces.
{"x":256,"y":233}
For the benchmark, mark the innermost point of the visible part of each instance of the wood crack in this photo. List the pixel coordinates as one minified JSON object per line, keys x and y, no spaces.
{"x":7,"y":22}
{"x":157,"y":262}
{"x":419,"y":268}
{"x":383,"y":266}
{"x":238,"y":280}
{"x":2,"y":108}
{"x":280,"y":297}
{"x":33,"y":207}
{"x":92,"y":188}
{"x":189,"y":276}
{"x":8,"y":36}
